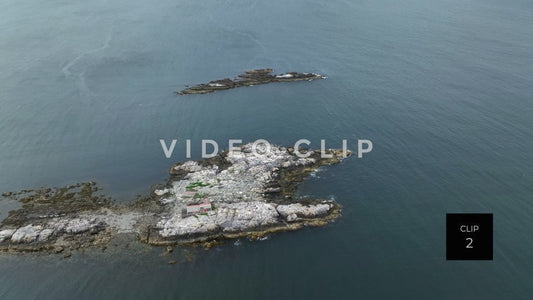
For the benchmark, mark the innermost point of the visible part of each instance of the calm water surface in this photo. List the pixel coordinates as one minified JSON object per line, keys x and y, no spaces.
{"x":442,"y":88}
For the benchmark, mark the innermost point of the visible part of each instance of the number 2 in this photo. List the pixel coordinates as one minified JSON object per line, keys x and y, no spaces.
{"x":469,"y":245}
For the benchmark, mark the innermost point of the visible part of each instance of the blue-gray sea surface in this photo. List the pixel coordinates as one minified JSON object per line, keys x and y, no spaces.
{"x":442,"y":88}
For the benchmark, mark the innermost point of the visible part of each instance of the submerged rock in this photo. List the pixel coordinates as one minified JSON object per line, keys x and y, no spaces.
{"x":249,"y":78}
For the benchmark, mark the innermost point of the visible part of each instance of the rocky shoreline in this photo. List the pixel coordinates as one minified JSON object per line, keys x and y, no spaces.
{"x":249,"y":78}
{"x":249,"y":195}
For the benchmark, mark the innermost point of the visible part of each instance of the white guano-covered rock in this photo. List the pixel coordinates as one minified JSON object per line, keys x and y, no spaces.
{"x":26,"y":234}
{"x":78,"y":226}
{"x":304,"y":211}
{"x":246,"y":179}
{"x":292,"y":217}
{"x":230,"y":217}
{"x":6,"y":234}
{"x":240,"y":190}
{"x":45,"y":234}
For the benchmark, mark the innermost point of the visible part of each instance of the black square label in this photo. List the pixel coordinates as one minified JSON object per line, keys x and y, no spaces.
{"x":469,"y":236}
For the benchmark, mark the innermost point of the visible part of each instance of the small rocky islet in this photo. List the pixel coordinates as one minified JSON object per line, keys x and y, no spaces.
{"x":249,"y":195}
{"x":249,"y":78}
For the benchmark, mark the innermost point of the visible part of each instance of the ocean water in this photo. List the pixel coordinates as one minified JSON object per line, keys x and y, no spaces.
{"x":442,"y":88}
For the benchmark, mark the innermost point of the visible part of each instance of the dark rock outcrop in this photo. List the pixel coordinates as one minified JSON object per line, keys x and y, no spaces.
{"x":249,"y":78}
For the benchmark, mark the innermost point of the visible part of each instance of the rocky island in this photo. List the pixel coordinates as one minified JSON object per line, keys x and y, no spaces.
{"x":249,"y":78}
{"x":234,"y":194}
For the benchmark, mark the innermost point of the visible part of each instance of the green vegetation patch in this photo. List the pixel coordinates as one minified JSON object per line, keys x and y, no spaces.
{"x":196,"y":184}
